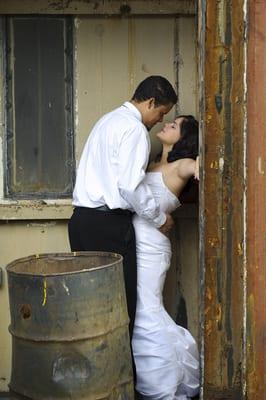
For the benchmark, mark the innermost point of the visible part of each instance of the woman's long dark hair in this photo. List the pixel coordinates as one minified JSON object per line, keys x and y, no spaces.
{"x":188,"y":144}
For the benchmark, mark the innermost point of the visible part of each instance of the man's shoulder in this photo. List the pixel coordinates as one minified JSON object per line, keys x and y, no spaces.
{"x":123,"y":117}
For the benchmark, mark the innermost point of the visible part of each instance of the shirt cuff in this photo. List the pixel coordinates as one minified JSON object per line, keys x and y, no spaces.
{"x":160,"y":220}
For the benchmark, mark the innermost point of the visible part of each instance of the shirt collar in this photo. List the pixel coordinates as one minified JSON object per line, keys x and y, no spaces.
{"x":134,"y":109}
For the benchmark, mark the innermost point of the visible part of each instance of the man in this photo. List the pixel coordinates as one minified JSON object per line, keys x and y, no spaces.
{"x":109,"y":186}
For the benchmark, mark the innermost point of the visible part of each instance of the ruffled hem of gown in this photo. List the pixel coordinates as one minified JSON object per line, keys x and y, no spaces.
{"x":166,"y":357}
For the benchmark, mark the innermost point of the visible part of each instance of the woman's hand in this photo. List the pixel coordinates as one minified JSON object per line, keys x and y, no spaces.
{"x":196,"y":172}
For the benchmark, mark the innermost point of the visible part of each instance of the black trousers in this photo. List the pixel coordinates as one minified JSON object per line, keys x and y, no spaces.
{"x":94,"y":230}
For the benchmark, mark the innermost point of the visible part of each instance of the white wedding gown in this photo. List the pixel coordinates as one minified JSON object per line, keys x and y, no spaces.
{"x":166,"y":355}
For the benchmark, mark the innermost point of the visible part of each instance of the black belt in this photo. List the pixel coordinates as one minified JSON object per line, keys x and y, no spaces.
{"x":105,"y":208}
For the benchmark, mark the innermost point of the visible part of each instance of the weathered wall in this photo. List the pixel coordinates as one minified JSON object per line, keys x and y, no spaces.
{"x":113,"y":56}
{"x":105,"y":74}
{"x":99,"y":7}
{"x":181,"y":294}
{"x":19,"y":239}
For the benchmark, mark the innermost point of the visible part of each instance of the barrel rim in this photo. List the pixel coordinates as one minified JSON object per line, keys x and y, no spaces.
{"x":63,"y":255}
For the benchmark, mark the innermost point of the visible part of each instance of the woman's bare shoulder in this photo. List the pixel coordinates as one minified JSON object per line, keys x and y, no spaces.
{"x":186,"y":167}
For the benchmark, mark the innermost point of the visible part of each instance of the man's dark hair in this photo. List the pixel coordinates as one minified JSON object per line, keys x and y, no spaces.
{"x":157,"y":87}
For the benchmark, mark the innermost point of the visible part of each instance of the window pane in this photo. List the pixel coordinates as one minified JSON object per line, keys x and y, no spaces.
{"x":40,"y":145}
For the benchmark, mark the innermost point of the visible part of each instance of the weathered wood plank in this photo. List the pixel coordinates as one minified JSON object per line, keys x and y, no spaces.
{"x":98,"y":7}
{"x":222,"y":193}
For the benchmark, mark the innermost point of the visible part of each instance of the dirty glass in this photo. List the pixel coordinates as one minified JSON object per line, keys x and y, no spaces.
{"x":39,"y":147}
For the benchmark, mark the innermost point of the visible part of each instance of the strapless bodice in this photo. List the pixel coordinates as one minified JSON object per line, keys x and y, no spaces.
{"x":167,"y":200}
{"x":148,"y":237}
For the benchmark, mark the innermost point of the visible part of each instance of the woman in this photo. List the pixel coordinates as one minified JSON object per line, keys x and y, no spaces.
{"x":165,"y":354}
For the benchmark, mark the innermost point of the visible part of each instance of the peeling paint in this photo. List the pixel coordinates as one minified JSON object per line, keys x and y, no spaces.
{"x":49,"y":224}
{"x":34,"y":210}
{"x":221,"y":164}
{"x":221,"y":20}
{"x":214,"y":165}
{"x":65,"y":287}
{"x":240,"y":249}
{"x":77,"y":22}
{"x":209,"y":293}
{"x":260,"y":167}
{"x":44,"y":292}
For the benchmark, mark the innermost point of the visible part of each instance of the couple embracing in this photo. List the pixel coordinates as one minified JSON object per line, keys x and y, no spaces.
{"x":123,"y":205}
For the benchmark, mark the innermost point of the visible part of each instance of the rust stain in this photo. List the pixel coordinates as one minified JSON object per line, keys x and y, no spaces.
{"x":207,"y":310}
{"x":208,"y":118}
{"x":208,"y":327}
{"x":209,"y":293}
{"x":218,"y":313}
{"x":213,"y":242}
{"x":240,"y":249}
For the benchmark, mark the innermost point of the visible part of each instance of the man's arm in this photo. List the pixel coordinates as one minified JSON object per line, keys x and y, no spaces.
{"x":133,"y":159}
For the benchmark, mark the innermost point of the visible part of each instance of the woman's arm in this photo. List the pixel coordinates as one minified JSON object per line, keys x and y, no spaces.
{"x":196,"y":172}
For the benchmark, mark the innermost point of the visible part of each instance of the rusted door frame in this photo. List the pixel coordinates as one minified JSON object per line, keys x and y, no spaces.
{"x":222,"y":215}
{"x":233,"y":197}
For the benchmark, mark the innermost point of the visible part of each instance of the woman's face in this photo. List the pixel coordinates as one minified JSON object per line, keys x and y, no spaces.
{"x":171,"y":132}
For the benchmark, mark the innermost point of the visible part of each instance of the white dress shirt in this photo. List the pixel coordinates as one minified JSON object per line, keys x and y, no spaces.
{"x":113,"y":165}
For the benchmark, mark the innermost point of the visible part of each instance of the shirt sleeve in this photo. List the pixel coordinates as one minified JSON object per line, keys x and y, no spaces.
{"x":132,"y":164}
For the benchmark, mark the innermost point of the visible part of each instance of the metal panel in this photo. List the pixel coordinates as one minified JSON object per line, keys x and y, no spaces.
{"x":19,"y":239}
{"x":256,"y":200}
{"x":112,"y":57}
{"x":222,"y":194}
{"x":38,"y":231}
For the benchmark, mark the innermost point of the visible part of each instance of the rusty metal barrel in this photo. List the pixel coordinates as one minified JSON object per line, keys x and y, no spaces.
{"x":69,"y":327}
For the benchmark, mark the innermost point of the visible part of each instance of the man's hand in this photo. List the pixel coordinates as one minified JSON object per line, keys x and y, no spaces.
{"x":167,"y":226}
